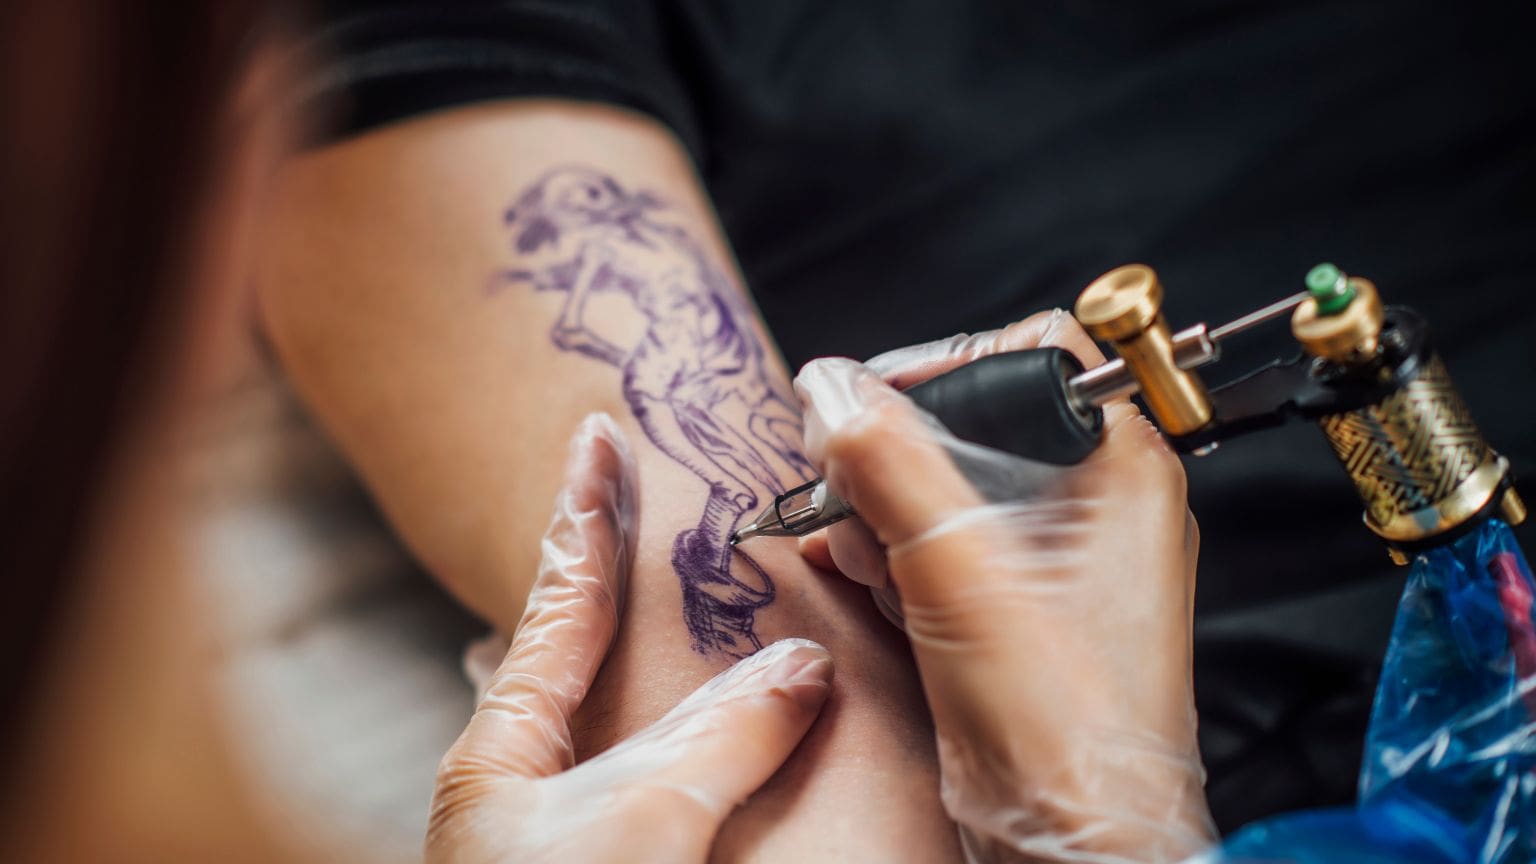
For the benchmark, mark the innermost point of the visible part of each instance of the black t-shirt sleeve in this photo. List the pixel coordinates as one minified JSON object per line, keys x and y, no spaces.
{"x":377,"y":62}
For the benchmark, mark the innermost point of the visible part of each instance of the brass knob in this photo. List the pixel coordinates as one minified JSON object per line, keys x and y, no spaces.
{"x":1124,"y":307}
{"x":1342,"y":319}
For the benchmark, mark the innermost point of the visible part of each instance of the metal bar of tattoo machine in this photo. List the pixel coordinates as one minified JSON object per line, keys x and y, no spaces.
{"x":984,"y":400}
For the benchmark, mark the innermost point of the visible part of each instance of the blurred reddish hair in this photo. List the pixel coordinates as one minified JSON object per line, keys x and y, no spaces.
{"x":112,"y":112}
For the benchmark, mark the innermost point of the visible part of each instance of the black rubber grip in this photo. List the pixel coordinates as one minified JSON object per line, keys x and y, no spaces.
{"x":1016,"y":402}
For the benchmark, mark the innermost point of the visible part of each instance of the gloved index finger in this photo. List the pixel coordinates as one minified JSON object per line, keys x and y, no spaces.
{"x":879,"y":451}
{"x":523,"y":719}
{"x":905,"y":367}
{"x":904,"y":473}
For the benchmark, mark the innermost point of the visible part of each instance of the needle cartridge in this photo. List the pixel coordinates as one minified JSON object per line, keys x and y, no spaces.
{"x":797,"y":512}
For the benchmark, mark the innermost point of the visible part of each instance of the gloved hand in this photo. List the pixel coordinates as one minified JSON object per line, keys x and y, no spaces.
{"x":1049,"y":609}
{"x":850,"y":547}
{"x":507,"y":790}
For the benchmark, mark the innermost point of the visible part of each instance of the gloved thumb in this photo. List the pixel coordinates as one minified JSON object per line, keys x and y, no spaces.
{"x":726,"y":739}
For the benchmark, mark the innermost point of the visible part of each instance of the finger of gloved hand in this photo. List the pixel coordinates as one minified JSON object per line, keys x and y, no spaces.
{"x":851,"y":546}
{"x":875,"y":447}
{"x":857,"y":552}
{"x":522,"y":724}
{"x":903,"y":473}
{"x":888,"y":603}
{"x":723,"y":741}
{"x":481,"y":659}
{"x":905,"y":367}
{"x":814,"y":549}
{"x":848,"y":548}
{"x":1134,"y":473}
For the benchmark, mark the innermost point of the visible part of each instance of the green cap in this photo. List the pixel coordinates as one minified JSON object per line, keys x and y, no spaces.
{"x":1330,"y":288}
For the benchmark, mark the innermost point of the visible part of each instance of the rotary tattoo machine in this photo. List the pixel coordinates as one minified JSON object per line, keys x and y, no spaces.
{"x":1365,"y":373}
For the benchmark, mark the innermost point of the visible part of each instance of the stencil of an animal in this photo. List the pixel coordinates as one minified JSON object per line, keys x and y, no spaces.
{"x":697,"y":380}
{"x":579,"y":232}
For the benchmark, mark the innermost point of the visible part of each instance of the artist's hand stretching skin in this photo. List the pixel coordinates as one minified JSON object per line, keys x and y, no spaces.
{"x":508,"y":791}
{"x":453,"y":294}
{"x":1051,"y":618}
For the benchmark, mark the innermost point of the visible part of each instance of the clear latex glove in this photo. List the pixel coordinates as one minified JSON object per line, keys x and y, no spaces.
{"x":507,"y":789}
{"x":1049,"y":609}
{"x":848,"y":546}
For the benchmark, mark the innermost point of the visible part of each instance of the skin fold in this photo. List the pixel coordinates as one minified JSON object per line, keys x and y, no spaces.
{"x":453,"y":294}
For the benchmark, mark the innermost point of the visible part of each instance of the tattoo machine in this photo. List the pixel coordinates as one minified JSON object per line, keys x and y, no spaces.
{"x":1367,"y":374}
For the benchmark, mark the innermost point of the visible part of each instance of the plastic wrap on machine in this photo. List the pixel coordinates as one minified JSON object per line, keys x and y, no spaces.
{"x":1449,"y":773}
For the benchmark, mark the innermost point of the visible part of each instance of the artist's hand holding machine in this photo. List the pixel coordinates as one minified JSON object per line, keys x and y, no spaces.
{"x":1029,"y":528}
{"x":1049,"y":611}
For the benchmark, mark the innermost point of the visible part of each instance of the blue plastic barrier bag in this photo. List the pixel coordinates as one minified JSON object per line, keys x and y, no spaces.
{"x":1449,"y":773}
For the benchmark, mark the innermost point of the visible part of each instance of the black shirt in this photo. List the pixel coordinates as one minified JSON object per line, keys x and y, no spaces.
{"x":892,"y":173}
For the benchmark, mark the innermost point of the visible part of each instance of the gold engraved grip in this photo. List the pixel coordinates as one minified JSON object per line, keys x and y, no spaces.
{"x":1417,"y":458}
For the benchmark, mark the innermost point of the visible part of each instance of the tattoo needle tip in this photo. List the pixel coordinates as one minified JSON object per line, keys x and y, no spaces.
{"x":746,"y":532}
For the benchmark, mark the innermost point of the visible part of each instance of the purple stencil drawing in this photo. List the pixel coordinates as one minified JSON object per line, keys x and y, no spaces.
{"x":696,"y":378}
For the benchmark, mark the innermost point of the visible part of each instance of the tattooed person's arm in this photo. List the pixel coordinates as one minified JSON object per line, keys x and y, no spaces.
{"x":451,"y":295}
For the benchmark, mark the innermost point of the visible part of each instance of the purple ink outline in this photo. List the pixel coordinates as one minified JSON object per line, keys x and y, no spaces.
{"x":578,"y":231}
